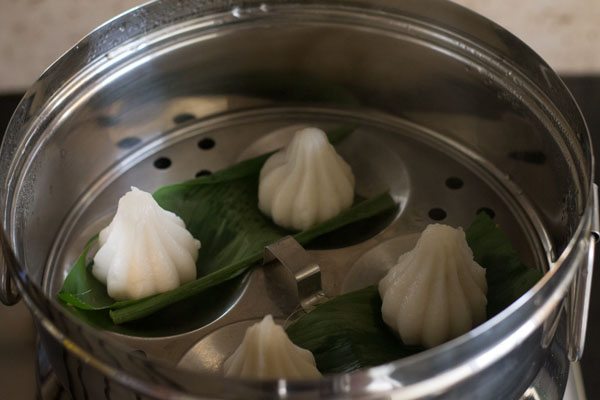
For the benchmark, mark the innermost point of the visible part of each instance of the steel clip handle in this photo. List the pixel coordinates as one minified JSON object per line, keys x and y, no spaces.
{"x":579,"y":295}
{"x":9,"y":294}
{"x":302,"y":268}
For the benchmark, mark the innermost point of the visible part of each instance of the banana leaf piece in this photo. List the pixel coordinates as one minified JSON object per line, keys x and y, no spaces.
{"x":507,"y":277}
{"x":81,"y":289}
{"x":348,"y":332}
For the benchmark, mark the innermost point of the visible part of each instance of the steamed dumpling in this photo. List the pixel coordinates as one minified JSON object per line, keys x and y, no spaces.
{"x":267,"y":353}
{"x":145,"y":250}
{"x":306,"y":183}
{"x":436,"y":291}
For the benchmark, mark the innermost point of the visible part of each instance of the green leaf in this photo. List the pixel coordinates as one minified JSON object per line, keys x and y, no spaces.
{"x":246,"y":253}
{"x":224,"y":216}
{"x":348,"y":332}
{"x":507,"y":277}
{"x":81,"y":289}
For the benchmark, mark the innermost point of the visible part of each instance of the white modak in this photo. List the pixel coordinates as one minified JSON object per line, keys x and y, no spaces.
{"x":145,"y":249}
{"x":306,"y":183}
{"x":436,"y":291}
{"x":268,"y":353}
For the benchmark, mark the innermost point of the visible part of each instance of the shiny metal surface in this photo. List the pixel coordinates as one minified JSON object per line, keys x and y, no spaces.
{"x":300,"y":268}
{"x":8,"y":291}
{"x":436,"y":92}
{"x":580,"y":293}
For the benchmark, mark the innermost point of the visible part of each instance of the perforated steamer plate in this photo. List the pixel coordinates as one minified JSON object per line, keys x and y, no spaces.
{"x":432,"y":180}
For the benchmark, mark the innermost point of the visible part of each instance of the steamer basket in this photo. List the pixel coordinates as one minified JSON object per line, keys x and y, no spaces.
{"x":453,"y":115}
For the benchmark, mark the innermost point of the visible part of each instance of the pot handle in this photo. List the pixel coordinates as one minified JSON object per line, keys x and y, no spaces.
{"x":9,"y":294}
{"x":581,"y":289}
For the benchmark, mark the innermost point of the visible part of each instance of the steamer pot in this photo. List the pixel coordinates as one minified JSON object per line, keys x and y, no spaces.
{"x":178,"y":87}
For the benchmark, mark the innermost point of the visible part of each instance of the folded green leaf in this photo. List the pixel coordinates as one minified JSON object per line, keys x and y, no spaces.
{"x":81,"y":289}
{"x":507,"y":277}
{"x":348,"y":332}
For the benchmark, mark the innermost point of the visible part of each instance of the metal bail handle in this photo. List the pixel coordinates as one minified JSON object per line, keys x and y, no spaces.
{"x":301,"y":266}
{"x":9,"y":294}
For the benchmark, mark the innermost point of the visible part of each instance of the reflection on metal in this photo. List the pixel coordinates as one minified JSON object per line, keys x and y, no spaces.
{"x":531,"y":394}
{"x":9,"y":294}
{"x":579,"y":295}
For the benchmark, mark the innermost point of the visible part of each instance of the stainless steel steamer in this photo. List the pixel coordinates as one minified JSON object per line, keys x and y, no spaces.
{"x":176,"y":88}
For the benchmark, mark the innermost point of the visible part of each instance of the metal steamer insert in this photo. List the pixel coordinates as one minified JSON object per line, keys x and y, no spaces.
{"x":420,"y":171}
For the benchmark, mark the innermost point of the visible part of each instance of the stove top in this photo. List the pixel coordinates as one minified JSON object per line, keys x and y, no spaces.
{"x":22,"y":373}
